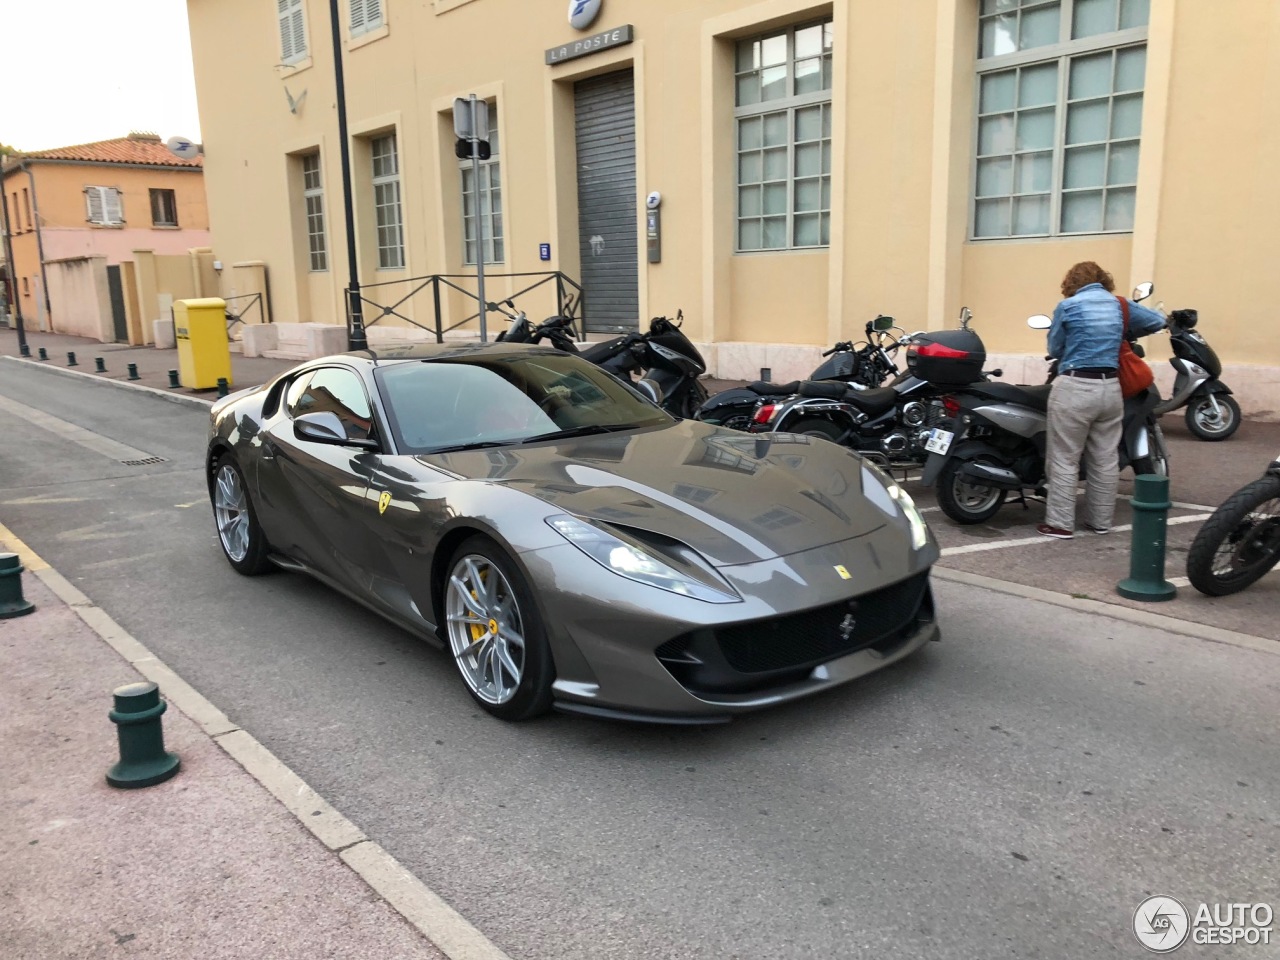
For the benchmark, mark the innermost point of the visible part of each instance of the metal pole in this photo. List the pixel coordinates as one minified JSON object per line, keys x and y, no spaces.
{"x":475,"y":180}
{"x":35,"y":209}
{"x":355,"y":331}
{"x":12,"y":269}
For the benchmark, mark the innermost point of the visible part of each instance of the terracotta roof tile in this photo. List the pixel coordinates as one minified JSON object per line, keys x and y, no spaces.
{"x":123,"y":150}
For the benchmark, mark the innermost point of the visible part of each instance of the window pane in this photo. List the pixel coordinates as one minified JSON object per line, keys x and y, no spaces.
{"x":775,"y":130}
{"x":1087,"y":121}
{"x":748,"y":89}
{"x":773,"y":83}
{"x":775,"y":233}
{"x":750,"y":134}
{"x":808,"y":195}
{"x":775,"y":198}
{"x":826,"y":193}
{"x":995,"y":134}
{"x":1038,"y":86}
{"x":991,"y":218}
{"x":773,"y":50}
{"x":1035,"y":130}
{"x":1123,"y":164}
{"x":809,"y":123}
{"x":1126,"y":116}
{"x":826,"y":119}
{"x":999,"y":36}
{"x":1093,"y":17}
{"x":999,"y":6}
{"x":1090,"y":76}
{"x":808,"y":230}
{"x":809,"y":75}
{"x":826,"y":158}
{"x":1030,"y":216}
{"x":749,"y":235}
{"x":809,"y":42}
{"x":808,"y":160}
{"x":1134,"y":13}
{"x":748,"y":201}
{"x":997,"y":91}
{"x":826,"y":229}
{"x":748,"y":55}
{"x":1035,"y":173}
{"x":1120,"y":204}
{"x":1082,"y":212}
{"x":1085,"y":166}
{"x":1131,"y":67}
{"x":775,"y":165}
{"x":1039,"y":27}
{"x":749,"y":168}
{"x":995,"y":177}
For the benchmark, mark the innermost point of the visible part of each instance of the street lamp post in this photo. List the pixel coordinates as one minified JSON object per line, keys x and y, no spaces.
{"x":356,"y":339}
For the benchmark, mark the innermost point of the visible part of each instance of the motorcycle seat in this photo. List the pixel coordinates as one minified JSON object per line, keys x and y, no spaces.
{"x":1035,"y":396}
{"x":766,"y":389}
{"x":822,"y":389}
{"x":871,"y":402}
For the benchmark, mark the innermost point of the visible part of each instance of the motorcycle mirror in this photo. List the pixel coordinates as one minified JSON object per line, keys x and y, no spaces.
{"x":509,"y":304}
{"x":965,"y":317}
{"x":882,"y":324}
{"x":1039,"y":322}
{"x":1143,"y":290}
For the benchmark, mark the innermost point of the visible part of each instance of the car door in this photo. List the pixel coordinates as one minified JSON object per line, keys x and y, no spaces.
{"x":316,"y":492}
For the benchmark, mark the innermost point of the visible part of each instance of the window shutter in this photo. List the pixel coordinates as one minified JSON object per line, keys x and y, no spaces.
{"x":299,"y":31}
{"x":114,"y":209}
{"x":372,"y":14}
{"x":293,"y":39}
{"x":358,"y":17}
{"x":93,"y":203}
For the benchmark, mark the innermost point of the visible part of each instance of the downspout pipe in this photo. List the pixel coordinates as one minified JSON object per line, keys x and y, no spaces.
{"x":35,"y":209}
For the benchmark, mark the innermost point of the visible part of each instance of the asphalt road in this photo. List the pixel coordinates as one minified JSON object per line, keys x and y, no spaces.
{"x":1014,"y":791}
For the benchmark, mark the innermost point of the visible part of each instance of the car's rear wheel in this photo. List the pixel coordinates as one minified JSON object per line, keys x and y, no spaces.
{"x":243,"y":542}
{"x":495,"y":634}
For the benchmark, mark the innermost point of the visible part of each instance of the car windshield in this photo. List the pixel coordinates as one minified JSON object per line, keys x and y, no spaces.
{"x":452,"y":404}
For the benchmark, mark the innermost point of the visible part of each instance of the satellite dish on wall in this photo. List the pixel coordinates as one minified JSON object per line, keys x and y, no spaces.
{"x":183,"y":148}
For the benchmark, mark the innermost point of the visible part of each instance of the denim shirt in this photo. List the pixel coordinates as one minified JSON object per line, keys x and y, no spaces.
{"x":1087,"y":328}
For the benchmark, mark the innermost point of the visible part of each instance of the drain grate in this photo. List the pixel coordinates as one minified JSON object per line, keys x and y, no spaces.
{"x":144,"y":461}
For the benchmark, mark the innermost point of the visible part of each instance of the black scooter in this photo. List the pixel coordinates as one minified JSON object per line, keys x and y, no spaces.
{"x":559,"y":330}
{"x":1212,"y":413}
{"x":669,"y":363}
{"x":1240,"y":542}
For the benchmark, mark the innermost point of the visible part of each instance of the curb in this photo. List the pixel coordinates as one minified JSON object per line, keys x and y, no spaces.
{"x":122,"y":384}
{"x":421,"y":907}
{"x":1183,"y":628}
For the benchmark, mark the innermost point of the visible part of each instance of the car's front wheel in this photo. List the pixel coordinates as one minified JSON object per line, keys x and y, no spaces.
{"x":242,"y":539}
{"x":495,"y":634}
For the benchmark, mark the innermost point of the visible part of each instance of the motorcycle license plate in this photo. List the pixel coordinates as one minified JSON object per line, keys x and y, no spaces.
{"x":939,"y":441}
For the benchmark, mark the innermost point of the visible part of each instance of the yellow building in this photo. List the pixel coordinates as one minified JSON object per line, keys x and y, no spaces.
{"x":817,"y":163}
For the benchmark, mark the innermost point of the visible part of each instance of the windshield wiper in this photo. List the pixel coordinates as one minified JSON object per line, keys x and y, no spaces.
{"x":478,"y":445}
{"x":585,"y":431}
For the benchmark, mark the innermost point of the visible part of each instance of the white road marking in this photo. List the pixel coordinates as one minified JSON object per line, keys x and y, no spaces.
{"x":70,"y":431}
{"x":1023,"y":541}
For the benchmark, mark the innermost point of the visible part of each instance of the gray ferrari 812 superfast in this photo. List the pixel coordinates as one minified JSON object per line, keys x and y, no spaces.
{"x":567,"y":542}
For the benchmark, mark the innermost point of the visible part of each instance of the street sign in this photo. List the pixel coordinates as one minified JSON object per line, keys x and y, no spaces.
{"x":462,"y":125}
{"x":544,"y":251}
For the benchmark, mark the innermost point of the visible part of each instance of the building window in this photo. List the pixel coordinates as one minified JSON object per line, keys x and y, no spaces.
{"x":783,"y":115}
{"x":386,"y":203}
{"x":164,"y":208}
{"x":103,"y":204}
{"x":490,"y":202}
{"x":26,"y":287}
{"x":313,"y":198}
{"x":293,"y":32}
{"x":26,"y":207}
{"x":366,"y":15}
{"x":1059,"y":116}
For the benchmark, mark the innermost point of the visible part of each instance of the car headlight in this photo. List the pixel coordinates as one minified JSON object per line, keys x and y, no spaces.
{"x":919,"y":529}
{"x":627,"y":560}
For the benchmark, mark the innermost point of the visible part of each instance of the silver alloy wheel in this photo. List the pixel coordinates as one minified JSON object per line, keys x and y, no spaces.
{"x":975,"y":497}
{"x":1209,"y":421}
{"x":486,"y":633}
{"x":231,"y":511}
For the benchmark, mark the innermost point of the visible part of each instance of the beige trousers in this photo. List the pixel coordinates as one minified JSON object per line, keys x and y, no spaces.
{"x":1084,"y":418}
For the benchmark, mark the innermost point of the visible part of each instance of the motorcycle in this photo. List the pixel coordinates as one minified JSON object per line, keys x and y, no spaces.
{"x":559,"y":330}
{"x":1212,"y":413}
{"x":892,"y":424}
{"x":670,"y":364}
{"x":867,"y":364}
{"x":994,"y":443}
{"x":1240,"y":542}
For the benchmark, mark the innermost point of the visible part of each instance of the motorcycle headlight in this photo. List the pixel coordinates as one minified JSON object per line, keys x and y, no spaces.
{"x":630,"y":561}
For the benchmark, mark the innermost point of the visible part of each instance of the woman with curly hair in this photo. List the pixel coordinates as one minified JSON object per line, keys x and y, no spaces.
{"x":1085,"y":405}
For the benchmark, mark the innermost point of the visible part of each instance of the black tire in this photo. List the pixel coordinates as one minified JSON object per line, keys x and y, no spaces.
{"x":1239,"y":543}
{"x":1157,"y":463}
{"x":531,"y":696}
{"x":965,"y":502}
{"x":239,"y":533}
{"x":816,"y":427}
{"x":1203,"y":424}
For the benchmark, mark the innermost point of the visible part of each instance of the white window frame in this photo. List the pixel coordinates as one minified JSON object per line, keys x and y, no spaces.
{"x":789,"y":105}
{"x":388,"y":207}
{"x":366,"y":16}
{"x":490,"y":213}
{"x":1061,"y":53}
{"x":291,"y":21}
{"x":313,"y":210}
{"x":108,"y":201}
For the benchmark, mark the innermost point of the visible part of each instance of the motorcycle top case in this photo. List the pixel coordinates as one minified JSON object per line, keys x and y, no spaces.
{"x":953,"y":357}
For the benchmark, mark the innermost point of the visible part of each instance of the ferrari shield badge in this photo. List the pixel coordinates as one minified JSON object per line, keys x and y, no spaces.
{"x":843,"y":571}
{"x":383,"y":500}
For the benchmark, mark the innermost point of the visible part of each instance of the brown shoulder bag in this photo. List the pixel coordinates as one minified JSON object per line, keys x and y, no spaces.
{"x":1135,"y":374}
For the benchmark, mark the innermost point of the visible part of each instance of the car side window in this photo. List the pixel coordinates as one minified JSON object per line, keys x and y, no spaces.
{"x":334,"y":390}
{"x":294,"y":394}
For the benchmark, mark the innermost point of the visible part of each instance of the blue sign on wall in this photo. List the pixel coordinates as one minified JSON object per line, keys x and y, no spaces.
{"x":544,"y":251}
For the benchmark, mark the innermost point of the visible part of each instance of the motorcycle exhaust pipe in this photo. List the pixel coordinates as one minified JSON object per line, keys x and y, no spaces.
{"x":991,"y":475}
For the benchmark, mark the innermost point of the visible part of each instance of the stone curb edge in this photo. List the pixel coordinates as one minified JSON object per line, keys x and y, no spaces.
{"x":1184,"y":628}
{"x":122,"y":384}
{"x":425,"y":910}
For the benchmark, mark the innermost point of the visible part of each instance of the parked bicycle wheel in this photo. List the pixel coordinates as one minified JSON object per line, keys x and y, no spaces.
{"x":1240,"y":542}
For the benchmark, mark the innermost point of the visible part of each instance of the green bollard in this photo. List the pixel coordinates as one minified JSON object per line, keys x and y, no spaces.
{"x":24,"y":350}
{"x":143,"y":759}
{"x":44,"y":354}
{"x":133,"y":371}
{"x":12,"y":603}
{"x":173,"y":379}
{"x":99,"y":365}
{"x":222,"y":386}
{"x":71,"y":359}
{"x":1146,"y":554}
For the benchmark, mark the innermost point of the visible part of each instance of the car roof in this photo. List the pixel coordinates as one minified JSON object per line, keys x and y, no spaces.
{"x":466,"y":349}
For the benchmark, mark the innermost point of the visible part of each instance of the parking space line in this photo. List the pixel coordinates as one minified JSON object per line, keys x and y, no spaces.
{"x":1023,"y":541}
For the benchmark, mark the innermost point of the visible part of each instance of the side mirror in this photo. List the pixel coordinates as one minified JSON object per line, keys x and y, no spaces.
{"x":650,"y":390}
{"x":965,"y":316}
{"x":509,"y":304}
{"x":1039,"y":322}
{"x":325,"y":427}
{"x":1143,"y":290}
{"x":882,"y":324}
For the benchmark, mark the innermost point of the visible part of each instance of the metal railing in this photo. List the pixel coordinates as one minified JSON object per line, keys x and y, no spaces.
{"x":568,"y":292}
{"x":237,"y":316}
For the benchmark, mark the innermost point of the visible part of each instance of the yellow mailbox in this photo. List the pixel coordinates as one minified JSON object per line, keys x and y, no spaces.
{"x":204,"y":355}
